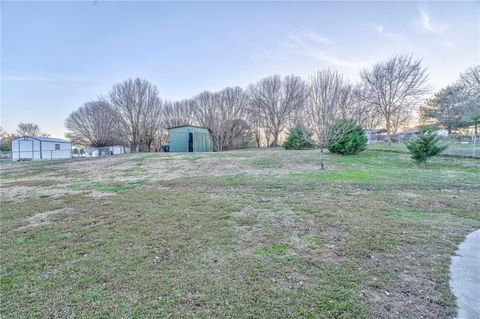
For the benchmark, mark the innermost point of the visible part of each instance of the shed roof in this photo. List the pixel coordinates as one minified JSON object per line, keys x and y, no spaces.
{"x":172,"y":127}
{"x":46,"y":139}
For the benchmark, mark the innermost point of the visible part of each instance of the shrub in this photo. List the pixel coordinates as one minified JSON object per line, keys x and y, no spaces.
{"x":347,"y":138}
{"x":298,"y":139}
{"x":425,"y":145}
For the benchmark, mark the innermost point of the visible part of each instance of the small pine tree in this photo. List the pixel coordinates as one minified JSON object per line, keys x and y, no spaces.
{"x":75,"y":151}
{"x":82,"y":151}
{"x":298,"y":139}
{"x":348,"y":138}
{"x":425,"y":146}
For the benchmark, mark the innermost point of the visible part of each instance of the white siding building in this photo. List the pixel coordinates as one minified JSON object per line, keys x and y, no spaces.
{"x":106,"y":150}
{"x":40,"y":148}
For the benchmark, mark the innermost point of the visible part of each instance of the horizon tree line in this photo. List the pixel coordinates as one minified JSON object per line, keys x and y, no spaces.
{"x":133,"y":114}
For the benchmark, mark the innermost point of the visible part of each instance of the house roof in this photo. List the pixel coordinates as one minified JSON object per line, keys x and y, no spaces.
{"x":171,"y":127}
{"x":378,"y":130}
{"x":413,"y":130}
{"x":46,"y":139}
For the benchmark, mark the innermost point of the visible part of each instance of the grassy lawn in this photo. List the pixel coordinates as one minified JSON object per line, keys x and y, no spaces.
{"x":244,"y":234}
{"x":455,"y":148}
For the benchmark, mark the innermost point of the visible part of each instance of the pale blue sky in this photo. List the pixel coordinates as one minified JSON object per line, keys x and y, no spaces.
{"x":57,"y":55}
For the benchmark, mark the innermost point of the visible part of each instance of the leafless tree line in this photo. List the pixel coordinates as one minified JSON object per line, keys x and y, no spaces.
{"x":133,"y":113}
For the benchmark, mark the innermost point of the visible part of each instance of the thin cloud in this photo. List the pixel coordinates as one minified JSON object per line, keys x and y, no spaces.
{"x":310,"y":36}
{"x":451,"y":46}
{"x":334,"y":59}
{"x":425,"y":23}
{"x":56,"y":86}
{"x":313,"y":45}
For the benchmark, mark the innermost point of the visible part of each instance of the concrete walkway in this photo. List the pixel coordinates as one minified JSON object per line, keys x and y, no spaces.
{"x":465,"y":277}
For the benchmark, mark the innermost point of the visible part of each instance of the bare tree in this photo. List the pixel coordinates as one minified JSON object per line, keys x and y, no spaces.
{"x":94,"y":124}
{"x":222,"y":113}
{"x":204,"y":108}
{"x":30,"y":129}
{"x":178,"y":113}
{"x":232,"y":126}
{"x":470,"y":80}
{"x":395,"y":87}
{"x":274,"y":101}
{"x":151,"y":127}
{"x":328,"y":95}
{"x":361,"y":111}
{"x":134,"y":100}
{"x":256,"y":127}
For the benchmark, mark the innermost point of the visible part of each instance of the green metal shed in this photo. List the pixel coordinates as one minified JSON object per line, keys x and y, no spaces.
{"x":190,"y":138}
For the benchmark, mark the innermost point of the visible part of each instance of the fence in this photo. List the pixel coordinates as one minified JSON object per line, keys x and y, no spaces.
{"x":104,"y":151}
{"x":467,"y":146}
{"x":40,"y":155}
{"x":6,"y":155}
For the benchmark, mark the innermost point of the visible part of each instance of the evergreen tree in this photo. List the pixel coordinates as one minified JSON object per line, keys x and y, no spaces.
{"x":349,"y":138}
{"x":298,"y":139}
{"x":425,"y":146}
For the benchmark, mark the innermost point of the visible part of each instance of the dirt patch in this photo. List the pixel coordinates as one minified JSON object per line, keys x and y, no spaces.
{"x":100,"y":194}
{"x":45,"y":218}
{"x":24,"y":192}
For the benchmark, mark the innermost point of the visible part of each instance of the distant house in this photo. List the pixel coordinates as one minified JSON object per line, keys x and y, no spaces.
{"x":40,"y":148}
{"x":190,"y":138}
{"x":106,"y":150}
{"x":375,"y":135}
{"x":410,"y":133}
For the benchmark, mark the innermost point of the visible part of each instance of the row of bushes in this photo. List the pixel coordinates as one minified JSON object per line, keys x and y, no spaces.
{"x":349,"y":138}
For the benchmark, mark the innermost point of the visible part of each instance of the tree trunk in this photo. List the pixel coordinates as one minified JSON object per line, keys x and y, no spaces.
{"x":149,"y":144}
{"x":267,"y":137}
{"x":257,"y":139}
{"x":275,"y":139}
{"x":389,"y":138}
{"x":133,"y":147}
{"x":322,"y":159}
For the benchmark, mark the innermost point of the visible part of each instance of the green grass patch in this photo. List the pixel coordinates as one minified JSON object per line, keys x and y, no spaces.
{"x":92,"y":295}
{"x":64,"y":236}
{"x":117,"y":187}
{"x":277,"y":249}
{"x":342,"y":176}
